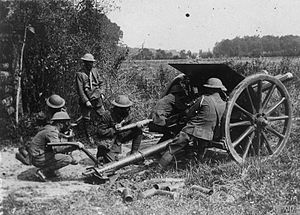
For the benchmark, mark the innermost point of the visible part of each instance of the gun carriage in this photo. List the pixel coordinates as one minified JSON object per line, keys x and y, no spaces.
{"x":257,"y":119}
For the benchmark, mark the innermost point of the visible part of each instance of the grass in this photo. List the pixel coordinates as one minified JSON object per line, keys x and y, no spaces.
{"x":255,"y":188}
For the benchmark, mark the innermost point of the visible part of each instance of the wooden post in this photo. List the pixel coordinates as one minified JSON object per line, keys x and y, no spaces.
{"x":18,"y":96}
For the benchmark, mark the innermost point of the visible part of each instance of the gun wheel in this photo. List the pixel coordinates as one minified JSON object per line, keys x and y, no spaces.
{"x":257,"y":118}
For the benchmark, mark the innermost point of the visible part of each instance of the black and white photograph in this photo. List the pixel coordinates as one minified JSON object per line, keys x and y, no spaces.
{"x":149,"y":107}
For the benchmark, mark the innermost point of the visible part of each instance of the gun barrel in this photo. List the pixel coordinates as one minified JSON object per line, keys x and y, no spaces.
{"x":138,"y":156}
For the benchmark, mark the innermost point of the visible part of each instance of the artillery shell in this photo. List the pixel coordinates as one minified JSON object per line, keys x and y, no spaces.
{"x":166,"y":180}
{"x":173,"y":195}
{"x":202,"y":189}
{"x":161,"y":186}
{"x":127,"y":195}
{"x":175,"y":186}
{"x":147,"y":193}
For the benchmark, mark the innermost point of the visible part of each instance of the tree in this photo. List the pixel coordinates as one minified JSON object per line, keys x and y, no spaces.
{"x":144,"y":54}
{"x":64,"y":32}
{"x":160,"y":54}
{"x":182,"y":54}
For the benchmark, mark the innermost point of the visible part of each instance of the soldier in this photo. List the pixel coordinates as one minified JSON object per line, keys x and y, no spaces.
{"x":203,"y":121}
{"x":89,"y":87}
{"x":167,"y":112}
{"x":47,"y":158}
{"x":109,"y":124}
{"x":54,"y":103}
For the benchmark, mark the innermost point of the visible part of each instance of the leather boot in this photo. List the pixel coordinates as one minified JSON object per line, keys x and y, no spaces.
{"x":165,"y":160}
{"x":136,"y":142}
{"x":88,"y":130}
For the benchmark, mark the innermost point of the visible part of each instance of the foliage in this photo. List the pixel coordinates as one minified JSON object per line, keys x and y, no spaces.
{"x":63,"y":33}
{"x":255,"y":46}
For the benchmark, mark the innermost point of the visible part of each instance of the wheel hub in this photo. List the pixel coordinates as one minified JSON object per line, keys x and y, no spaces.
{"x":261,"y":121}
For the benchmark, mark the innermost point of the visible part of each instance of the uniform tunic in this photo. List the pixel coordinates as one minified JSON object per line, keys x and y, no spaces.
{"x":204,"y":116}
{"x":89,"y":88}
{"x":204,"y":119}
{"x":106,"y":130}
{"x":44,"y":156}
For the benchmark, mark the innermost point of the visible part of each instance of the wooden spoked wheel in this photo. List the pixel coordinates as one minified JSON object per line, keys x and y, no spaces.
{"x":257,"y":118}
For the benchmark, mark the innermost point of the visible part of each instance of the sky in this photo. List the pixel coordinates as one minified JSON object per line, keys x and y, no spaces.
{"x":199,"y":24}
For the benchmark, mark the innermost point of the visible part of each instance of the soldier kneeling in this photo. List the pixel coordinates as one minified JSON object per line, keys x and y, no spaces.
{"x":109,"y":125}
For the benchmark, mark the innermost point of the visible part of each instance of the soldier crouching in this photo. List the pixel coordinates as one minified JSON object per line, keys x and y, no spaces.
{"x":46,"y":157}
{"x":110,"y":122}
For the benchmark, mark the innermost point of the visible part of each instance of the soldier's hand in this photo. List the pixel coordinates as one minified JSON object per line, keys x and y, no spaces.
{"x":139,"y":125}
{"x":118,"y":126}
{"x":80,"y":145}
{"x":88,"y":104}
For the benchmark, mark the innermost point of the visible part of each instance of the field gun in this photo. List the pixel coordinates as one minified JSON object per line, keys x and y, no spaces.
{"x":257,"y":119}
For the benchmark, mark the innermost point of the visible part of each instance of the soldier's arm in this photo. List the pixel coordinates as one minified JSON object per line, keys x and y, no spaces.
{"x":80,"y":88}
{"x":106,"y":127}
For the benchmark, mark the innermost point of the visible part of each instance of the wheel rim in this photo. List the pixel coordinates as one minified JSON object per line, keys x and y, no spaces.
{"x":258,"y":118}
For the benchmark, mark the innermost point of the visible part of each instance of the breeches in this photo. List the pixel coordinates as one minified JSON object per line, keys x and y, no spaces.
{"x":86,"y":111}
{"x":51,"y":161}
{"x":134,"y":134}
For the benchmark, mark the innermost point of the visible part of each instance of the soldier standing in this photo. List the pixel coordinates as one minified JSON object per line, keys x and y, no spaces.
{"x":203,"y":121}
{"x":90,"y":90}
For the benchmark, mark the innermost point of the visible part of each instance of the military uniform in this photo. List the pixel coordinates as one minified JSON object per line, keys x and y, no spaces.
{"x":89,"y":88}
{"x":106,"y":130}
{"x":204,"y":119}
{"x":45,"y":157}
{"x":168,"y":106}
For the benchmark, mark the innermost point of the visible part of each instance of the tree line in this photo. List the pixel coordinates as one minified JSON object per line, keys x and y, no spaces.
{"x":255,"y":46}
{"x":158,"y":54}
{"x":248,"y":46}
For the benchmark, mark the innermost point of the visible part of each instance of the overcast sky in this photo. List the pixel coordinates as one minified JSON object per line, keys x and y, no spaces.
{"x":199,"y":24}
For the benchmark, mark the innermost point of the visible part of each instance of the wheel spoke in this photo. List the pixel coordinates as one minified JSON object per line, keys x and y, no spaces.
{"x":267,"y":144}
{"x":268,"y":96}
{"x":275,"y":106}
{"x":276,"y":118}
{"x":272,"y":130}
{"x":244,"y":111}
{"x":241,"y":123}
{"x":243,"y":135}
{"x":250,"y":99}
{"x":249,"y":142}
{"x":258,"y":145}
{"x":259,"y":96}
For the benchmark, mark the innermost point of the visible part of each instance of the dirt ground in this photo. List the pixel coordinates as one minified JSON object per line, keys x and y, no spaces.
{"x":20,"y":179}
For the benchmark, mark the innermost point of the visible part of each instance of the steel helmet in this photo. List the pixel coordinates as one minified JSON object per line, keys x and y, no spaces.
{"x":61,"y":115}
{"x":215,"y":83}
{"x":55,"y":101}
{"x":122,"y":101}
{"x":88,"y":57}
